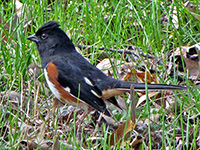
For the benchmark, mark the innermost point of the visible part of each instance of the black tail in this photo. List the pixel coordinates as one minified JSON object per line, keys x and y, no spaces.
{"x":141,"y":86}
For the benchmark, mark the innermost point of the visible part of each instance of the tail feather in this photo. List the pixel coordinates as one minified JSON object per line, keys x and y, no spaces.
{"x":120,"y":87}
{"x":141,"y":86}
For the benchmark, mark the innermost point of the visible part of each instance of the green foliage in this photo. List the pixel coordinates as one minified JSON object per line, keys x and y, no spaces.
{"x":110,"y":24}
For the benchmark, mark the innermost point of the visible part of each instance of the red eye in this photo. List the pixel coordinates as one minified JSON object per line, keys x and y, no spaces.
{"x":44,"y":36}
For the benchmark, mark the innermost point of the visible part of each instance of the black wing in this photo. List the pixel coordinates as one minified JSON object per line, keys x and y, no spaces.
{"x":77,"y":73}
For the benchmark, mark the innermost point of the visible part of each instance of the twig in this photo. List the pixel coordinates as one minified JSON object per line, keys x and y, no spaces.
{"x":133,"y":112}
{"x":119,"y":51}
{"x":3,"y":84}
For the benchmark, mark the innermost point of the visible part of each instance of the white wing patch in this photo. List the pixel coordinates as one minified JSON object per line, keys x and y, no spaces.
{"x":93,"y":92}
{"x":67,"y":89}
{"x":88,"y":81}
{"x":51,"y":85}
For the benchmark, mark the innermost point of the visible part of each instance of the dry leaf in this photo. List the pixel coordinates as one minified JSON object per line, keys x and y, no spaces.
{"x":190,"y":57}
{"x":33,"y":144}
{"x":6,"y":27}
{"x":136,"y":142}
{"x":140,"y":76}
{"x":29,"y":144}
{"x":121,"y":131}
{"x":18,"y":6}
{"x":143,"y":97}
{"x":56,"y":145}
{"x":121,"y":68}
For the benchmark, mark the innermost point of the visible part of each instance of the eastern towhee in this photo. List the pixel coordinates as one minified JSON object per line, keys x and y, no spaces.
{"x":73,"y":79}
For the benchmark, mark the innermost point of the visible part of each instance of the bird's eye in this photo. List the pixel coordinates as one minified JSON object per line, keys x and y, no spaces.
{"x":44,"y":36}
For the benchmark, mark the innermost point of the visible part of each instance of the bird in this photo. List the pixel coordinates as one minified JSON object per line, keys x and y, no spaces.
{"x":73,"y":79}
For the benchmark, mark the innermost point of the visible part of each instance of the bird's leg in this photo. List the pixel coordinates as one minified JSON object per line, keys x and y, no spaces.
{"x":54,"y":106}
{"x":81,"y":118}
{"x":97,"y":125}
{"x":79,"y":123}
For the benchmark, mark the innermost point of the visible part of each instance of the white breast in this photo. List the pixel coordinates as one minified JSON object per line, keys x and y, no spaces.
{"x":51,"y":85}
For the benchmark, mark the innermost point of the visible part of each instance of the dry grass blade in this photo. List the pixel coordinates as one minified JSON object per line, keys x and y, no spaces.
{"x":133,"y":102}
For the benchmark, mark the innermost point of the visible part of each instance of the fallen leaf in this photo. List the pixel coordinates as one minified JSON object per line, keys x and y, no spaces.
{"x":136,"y":142}
{"x":18,"y":7}
{"x":190,"y":57}
{"x":143,"y":97}
{"x":140,"y":76}
{"x":121,"y":131}
{"x":5,"y":26}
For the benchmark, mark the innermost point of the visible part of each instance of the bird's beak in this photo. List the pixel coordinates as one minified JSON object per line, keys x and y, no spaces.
{"x":33,"y":38}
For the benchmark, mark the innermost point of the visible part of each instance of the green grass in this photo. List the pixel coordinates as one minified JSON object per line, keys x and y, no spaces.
{"x":115,"y":25}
